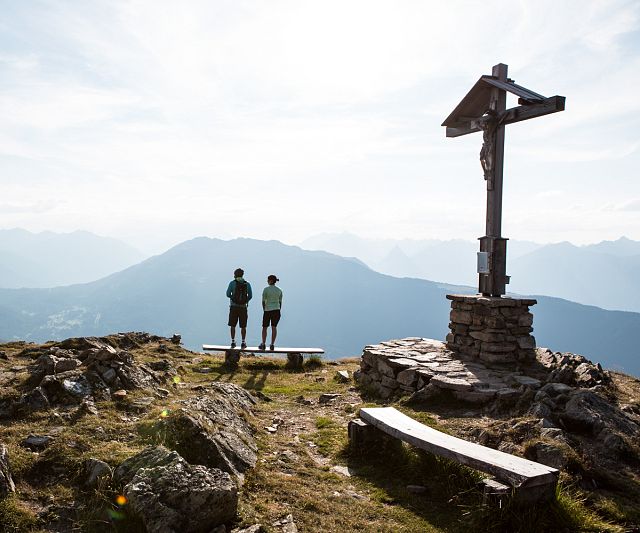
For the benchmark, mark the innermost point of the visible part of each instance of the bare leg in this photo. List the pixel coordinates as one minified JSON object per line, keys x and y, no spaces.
{"x":243,"y":332}
{"x":233,"y":333}
{"x":274,"y":334}
{"x":264,"y":335}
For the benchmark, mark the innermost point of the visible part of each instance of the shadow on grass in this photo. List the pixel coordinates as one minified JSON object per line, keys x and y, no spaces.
{"x":448,"y":495}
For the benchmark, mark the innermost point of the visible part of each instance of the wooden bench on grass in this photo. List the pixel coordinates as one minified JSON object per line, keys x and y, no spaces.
{"x":525,"y":480}
{"x":295,"y":356}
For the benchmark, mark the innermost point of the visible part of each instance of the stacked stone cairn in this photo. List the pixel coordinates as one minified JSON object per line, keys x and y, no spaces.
{"x":493,"y":330}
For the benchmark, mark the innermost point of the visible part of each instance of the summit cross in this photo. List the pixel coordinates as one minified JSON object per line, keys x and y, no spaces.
{"x":484,"y":108}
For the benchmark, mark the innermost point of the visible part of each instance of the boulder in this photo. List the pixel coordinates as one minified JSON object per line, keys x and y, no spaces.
{"x":587,"y":412}
{"x":213,"y":430}
{"x":150,"y":457}
{"x":170,"y":495}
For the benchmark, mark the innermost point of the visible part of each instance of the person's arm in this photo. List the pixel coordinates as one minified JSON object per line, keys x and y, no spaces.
{"x":280,"y":299}
{"x":264,"y":298}
{"x":249,"y":292}
{"x":230,"y":290}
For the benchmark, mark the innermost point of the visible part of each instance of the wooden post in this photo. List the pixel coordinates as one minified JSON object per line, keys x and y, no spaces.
{"x":231,"y":358}
{"x":494,"y":283}
{"x":295,"y":360}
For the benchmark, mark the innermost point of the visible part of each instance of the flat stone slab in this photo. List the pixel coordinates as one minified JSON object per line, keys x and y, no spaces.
{"x":472,"y":380}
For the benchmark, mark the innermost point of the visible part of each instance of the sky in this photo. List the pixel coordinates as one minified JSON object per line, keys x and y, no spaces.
{"x":154,"y":121}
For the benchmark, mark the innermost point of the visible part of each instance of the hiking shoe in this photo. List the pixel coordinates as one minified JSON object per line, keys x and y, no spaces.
{"x":271,"y":347}
{"x":243,"y":345}
{"x":233,"y":344}
{"x":261,"y":346}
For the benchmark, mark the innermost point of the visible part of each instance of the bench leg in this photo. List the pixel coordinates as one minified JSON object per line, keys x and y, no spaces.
{"x":295,"y":360}
{"x":231,"y":358}
{"x":364,"y":437}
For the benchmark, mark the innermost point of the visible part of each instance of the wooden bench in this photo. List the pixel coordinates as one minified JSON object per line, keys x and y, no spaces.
{"x":529,"y":481}
{"x":295,"y":356}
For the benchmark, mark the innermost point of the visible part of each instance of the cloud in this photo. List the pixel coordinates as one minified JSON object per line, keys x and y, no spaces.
{"x":631,"y":205}
{"x":143,"y":110}
{"x":29,"y":207}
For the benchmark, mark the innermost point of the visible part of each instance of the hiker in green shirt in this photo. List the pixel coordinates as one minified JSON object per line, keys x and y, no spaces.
{"x":271,"y":304}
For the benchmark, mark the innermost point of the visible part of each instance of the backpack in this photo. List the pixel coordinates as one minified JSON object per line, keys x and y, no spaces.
{"x":240,"y":296}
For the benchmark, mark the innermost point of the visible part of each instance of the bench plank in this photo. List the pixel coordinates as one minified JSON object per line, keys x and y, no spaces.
{"x":517,"y":471}
{"x":255,"y":349}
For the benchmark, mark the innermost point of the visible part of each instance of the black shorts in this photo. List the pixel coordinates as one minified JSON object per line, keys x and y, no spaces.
{"x":271,"y":316}
{"x":238,"y":313}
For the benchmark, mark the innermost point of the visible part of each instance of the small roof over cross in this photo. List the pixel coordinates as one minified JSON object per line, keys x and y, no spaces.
{"x":484,"y":109}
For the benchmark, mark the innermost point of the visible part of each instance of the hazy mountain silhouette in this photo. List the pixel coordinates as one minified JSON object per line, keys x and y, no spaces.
{"x":50,"y":259}
{"x":606,"y":274}
{"x":581,"y":274}
{"x":329,"y":301}
{"x":451,"y":261}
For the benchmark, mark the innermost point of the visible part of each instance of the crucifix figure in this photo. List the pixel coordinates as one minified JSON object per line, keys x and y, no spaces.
{"x":484,"y":108}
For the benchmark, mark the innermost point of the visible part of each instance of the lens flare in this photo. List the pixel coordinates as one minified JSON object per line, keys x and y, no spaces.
{"x":164,"y":413}
{"x":115,"y":515}
{"x":121,"y":500}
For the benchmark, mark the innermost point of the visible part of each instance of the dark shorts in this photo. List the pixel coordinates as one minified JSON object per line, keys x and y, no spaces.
{"x":272,"y":317}
{"x":238,"y":313}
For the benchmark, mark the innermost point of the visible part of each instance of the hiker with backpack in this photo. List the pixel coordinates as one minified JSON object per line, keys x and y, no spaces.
{"x":271,"y":305}
{"x":239,"y":294}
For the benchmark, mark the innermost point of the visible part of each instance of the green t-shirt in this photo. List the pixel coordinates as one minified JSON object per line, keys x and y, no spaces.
{"x":271,"y":298}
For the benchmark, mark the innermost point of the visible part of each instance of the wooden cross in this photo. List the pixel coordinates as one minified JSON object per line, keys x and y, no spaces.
{"x":484,"y":108}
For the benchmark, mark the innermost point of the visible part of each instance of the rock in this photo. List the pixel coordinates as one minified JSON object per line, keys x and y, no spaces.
{"x":524,"y":380}
{"x":328,"y":397}
{"x":171,"y":495}
{"x":407,"y":377}
{"x":425,"y":393}
{"x":342,"y":376}
{"x":585,"y":411}
{"x":613,"y":443}
{"x":301,"y":399}
{"x":150,"y":457}
{"x":3,"y":355}
{"x":94,"y":470}
{"x":256,"y":528}
{"x":552,"y":433}
{"x":416,"y":489}
{"x":540,"y":410}
{"x":87,"y":407}
{"x":588,"y":375}
{"x":342,"y":470}
{"x":36,"y":400}
{"x":444,"y":382}
{"x":37,"y":442}
{"x":547,"y":454}
{"x":213,"y":430}
{"x":554,"y":389}
{"x":6,"y":480}
{"x":176,"y":338}
{"x":286,"y":524}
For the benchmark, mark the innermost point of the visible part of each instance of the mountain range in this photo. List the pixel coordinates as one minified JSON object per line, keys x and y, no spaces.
{"x":329,"y":301}
{"x":50,"y":259}
{"x":606,"y":274}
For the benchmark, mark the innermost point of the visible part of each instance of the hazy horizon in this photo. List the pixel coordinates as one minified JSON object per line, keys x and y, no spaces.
{"x":159,"y":249}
